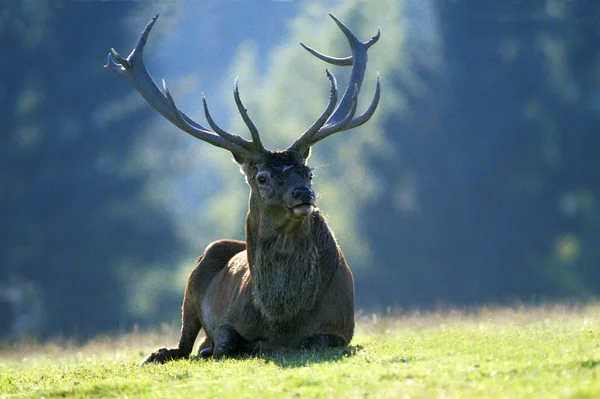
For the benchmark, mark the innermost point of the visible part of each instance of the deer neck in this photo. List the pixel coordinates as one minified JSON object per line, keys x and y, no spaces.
{"x":284,"y":267}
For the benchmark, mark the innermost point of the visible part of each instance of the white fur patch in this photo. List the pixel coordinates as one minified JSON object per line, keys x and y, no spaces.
{"x":303,"y":210}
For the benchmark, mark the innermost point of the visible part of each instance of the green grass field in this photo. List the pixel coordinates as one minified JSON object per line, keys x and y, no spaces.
{"x":544,"y":352}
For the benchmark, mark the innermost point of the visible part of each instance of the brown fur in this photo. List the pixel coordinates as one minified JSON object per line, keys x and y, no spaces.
{"x":286,"y":287}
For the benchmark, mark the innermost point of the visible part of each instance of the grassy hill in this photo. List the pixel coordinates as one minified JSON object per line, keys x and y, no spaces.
{"x":542,"y":352}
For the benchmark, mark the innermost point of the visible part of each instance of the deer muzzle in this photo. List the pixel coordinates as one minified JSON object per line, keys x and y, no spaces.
{"x":303,"y":201}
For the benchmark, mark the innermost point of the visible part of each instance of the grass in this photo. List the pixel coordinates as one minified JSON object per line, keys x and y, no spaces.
{"x":543,"y":352}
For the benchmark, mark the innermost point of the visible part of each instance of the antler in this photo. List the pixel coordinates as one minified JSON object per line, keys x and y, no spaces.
{"x":342,"y":117}
{"x":133,"y":68}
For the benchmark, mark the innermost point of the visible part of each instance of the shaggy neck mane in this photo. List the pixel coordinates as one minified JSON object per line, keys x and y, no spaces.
{"x":285,"y":268}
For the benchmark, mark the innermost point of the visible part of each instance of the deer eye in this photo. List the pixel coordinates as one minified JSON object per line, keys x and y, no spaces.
{"x":310,"y":176}
{"x":261,"y":179}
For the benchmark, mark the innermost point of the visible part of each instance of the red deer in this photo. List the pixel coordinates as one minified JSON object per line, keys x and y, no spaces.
{"x":288,"y":285}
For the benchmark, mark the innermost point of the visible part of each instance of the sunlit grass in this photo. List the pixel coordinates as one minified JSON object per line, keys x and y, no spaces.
{"x":540,"y":352}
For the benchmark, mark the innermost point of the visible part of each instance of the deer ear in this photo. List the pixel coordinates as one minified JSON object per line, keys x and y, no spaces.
{"x":306,"y":154}
{"x":245,"y":165}
{"x":240,"y":159}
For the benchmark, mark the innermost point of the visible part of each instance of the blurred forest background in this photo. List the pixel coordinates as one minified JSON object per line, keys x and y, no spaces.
{"x":477,"y":181}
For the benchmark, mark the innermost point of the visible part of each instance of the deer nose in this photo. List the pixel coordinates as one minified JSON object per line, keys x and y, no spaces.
{"x":304,"y":194}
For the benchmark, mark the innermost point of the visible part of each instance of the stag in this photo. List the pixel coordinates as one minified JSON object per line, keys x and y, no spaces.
{"x":287,"y":286}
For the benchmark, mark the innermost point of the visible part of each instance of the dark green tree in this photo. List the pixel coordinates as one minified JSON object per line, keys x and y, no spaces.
{"x":499,"y":151}
{"x":75,"y":223}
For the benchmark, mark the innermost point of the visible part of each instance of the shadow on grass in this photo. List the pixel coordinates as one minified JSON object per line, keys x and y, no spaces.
{"x":301,"y":358}
{"x":296,"y":358}
{"x":590,"y":363}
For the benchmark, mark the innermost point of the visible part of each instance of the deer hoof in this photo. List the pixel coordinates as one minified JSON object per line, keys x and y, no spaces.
{"x":314,"y":342}
{"x":220,"y":352}
{"x":206,"y":352}
{"x":161,"y":355}
{"x":322,"y":341}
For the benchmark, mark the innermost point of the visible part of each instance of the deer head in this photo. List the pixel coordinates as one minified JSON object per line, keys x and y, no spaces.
{"x":280,"y":181}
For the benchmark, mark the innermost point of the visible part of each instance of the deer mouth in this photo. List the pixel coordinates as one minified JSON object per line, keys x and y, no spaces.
{"x":303,"y":209}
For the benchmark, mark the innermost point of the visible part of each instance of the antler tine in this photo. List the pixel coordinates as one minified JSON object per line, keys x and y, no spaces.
{"x":342,"y":117}
{"x":244,"y":113}
{"x":345,"y":61}
{"x":223,"y":133}
{"x":133,"y":68}
{"x":256,"y":143}
{"x":349,"y":122}
{"x":304,"y":141}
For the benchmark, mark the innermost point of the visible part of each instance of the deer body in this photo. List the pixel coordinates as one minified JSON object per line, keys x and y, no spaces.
{"x":288,"y":285}
{"x":275,"y":306}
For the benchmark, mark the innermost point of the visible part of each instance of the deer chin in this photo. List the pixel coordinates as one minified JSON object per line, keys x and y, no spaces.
{"x":302,"y":210}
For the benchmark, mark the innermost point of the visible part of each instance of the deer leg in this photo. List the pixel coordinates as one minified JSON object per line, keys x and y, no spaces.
{"x":228,"y":342}
{"x":190,"y":327}
{"x":322,"y":341}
